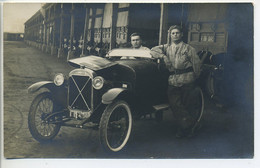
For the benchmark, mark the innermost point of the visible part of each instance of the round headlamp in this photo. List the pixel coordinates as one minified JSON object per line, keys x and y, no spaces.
{"x":59,"y":79}
{"x":98,"y":82}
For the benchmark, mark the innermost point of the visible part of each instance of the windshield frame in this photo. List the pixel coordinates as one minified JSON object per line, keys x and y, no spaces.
{"x":128,"y":52}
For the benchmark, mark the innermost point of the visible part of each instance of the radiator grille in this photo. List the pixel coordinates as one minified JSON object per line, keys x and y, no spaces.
{"x":80,"y":92}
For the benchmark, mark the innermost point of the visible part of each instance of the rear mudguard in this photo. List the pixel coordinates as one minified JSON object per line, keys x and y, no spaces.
{"x":59,"y":93}
{"x":112,"y":94}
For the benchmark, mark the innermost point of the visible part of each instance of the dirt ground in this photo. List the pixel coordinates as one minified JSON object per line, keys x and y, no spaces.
{"x":225,"y":133}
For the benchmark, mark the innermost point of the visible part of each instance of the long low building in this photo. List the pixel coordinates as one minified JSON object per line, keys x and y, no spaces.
{"x":68,"y":28}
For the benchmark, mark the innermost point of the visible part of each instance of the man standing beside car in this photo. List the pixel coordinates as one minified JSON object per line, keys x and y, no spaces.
{"x":183,"y":64}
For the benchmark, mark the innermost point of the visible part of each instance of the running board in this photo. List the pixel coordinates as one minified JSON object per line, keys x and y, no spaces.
{"x":161,"y":107}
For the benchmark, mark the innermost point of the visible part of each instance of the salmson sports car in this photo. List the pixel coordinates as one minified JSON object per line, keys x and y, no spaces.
{"x":106,"y":94}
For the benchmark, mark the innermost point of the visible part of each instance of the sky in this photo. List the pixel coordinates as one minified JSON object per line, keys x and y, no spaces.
{"x":16,"y":14}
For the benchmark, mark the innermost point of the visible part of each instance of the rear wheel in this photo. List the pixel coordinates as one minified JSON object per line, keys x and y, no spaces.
{"x":115,"y":126}
{"x":38,"y":120}
{"x":195,"y":106}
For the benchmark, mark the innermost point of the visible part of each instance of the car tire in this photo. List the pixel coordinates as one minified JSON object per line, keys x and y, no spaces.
{"x":195,"y":102}
{"x":41,"y":107}
{"x":115,"y":126}
{"x":210,"y":85}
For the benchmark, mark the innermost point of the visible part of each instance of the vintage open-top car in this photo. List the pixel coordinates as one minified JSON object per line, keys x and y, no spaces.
{"x":104,"y":93}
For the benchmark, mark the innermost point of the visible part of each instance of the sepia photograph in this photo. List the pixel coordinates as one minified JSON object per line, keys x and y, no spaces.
{"x":156,"y":81}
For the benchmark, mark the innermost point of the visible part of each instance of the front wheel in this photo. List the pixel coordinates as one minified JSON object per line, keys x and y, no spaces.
{"x":115,"y":126}
{"x":38,"y":118}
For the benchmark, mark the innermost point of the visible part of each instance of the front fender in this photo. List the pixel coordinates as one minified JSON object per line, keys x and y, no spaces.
{"x":112,"y":94}
{"x":37,"y":86}
{"x":59,"y":92}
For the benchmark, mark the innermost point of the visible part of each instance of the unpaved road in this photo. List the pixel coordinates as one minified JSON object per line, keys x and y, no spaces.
{"x":225,"y":134}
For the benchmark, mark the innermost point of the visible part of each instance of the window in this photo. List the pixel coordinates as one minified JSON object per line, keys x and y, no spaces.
{"x":207,"y":37}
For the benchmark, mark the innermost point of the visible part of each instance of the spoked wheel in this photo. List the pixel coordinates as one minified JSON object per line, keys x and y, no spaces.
{"x":195,"y":105}
{"x":115,"y":126}
{"x":39,"y":120}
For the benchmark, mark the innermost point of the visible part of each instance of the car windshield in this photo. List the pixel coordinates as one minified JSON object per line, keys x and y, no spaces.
{"x":137,"y":53}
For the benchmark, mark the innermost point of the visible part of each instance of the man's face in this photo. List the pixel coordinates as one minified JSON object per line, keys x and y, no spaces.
{"x":176,"y":35}
{"x":136,"y":41}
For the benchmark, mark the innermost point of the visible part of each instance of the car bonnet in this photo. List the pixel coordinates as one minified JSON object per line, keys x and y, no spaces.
{"x":94,"y":63}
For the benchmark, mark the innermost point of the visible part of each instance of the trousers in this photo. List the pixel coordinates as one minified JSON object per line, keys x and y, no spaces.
{"x":179,"y":100}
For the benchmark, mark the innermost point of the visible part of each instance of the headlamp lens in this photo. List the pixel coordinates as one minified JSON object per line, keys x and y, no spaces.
{"x":59,"y":79}
{"x":98,"y":82}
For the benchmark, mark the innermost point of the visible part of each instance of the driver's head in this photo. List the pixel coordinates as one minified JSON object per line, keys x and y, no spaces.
{"x":136,"y":40}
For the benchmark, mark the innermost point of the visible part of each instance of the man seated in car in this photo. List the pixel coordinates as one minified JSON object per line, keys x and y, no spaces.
{"x":136,"y":43}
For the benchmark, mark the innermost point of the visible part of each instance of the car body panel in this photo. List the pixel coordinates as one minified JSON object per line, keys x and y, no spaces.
{"x":148,"y":82}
